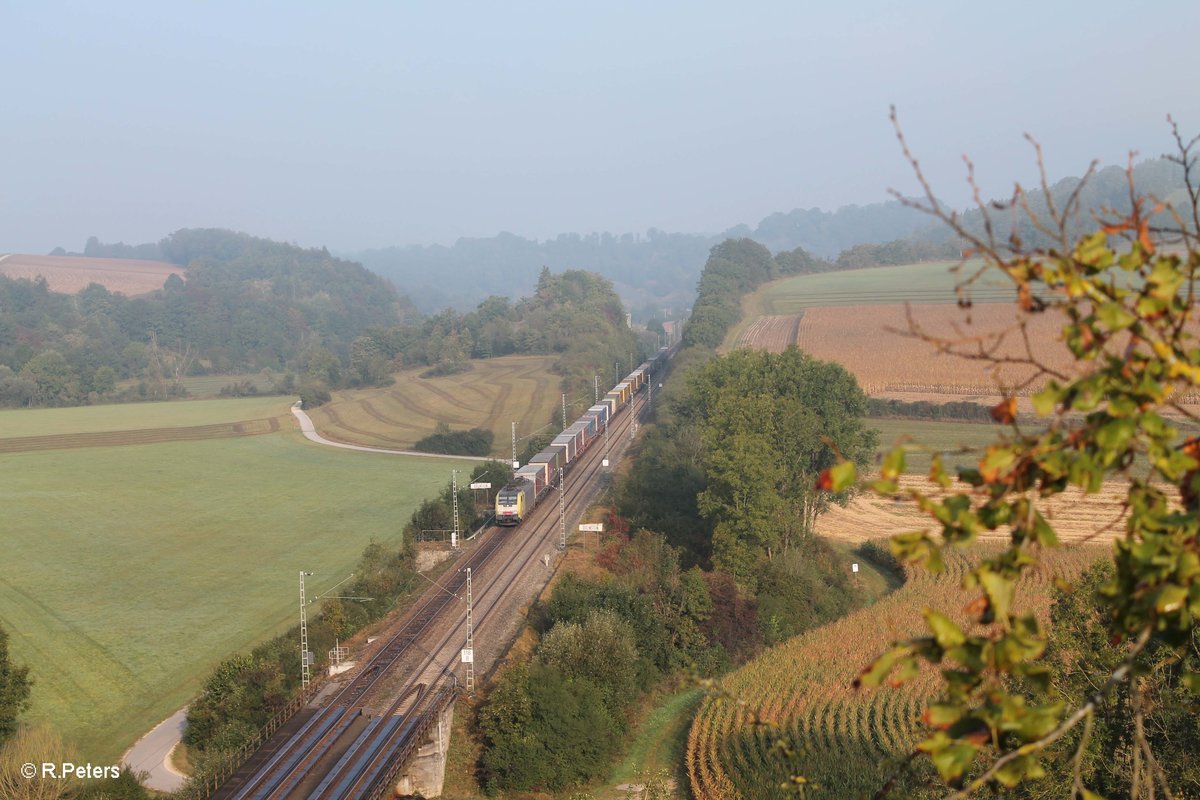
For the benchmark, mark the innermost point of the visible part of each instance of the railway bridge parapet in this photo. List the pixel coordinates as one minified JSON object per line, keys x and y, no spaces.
{"x":425,"y":773}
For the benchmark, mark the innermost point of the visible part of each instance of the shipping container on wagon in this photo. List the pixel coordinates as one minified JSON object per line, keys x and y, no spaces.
{"x":552,"y":457}
{"x":569,"y":444}
{"x":600,"y":413}
{"x":587,"y":424}
{"x":538,"y":474}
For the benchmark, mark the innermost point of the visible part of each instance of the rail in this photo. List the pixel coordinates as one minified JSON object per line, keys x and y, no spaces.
{"x":399,"y":759}
{"x":237,"y":758}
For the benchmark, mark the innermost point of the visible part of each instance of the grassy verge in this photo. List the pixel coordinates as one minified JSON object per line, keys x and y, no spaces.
{"x":658,"y":744}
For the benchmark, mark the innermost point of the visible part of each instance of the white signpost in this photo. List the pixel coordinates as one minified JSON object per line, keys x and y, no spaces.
{"x":481,"y":485}
{"x":854,"y":567}
{"x":596,"y":527}
{"x":468,"y":655}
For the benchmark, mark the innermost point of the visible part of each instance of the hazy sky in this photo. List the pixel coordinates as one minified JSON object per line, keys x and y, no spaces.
{"x":358,"y":125}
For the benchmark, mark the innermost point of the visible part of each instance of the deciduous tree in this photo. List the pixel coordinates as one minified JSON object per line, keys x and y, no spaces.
{"x":1125,"y":294}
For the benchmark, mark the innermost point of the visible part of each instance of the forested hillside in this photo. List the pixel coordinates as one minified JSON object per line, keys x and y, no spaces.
{"x":246,"y":304}
{"x":573,"y":314}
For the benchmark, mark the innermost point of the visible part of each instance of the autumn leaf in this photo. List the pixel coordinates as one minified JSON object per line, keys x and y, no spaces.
{"x":1005,"y":412}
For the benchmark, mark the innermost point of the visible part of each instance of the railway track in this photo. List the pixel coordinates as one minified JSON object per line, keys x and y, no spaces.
{"x":355,"y":745}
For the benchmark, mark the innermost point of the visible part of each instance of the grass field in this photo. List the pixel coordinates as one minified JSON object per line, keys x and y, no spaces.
{"x":128,"y":572}
{"x":931,"y":282}
{"x":948,"y":438}
{"x":492,"y":395}
{"x":927,"y":282}
{"x":137,"y":416}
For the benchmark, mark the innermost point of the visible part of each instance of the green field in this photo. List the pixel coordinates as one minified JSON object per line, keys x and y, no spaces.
{"x":928,"y":282}
{"x":492,"y":395}
{"x":924,"y":437}
{"x":128,"y":572}
{"x":138,"y":416}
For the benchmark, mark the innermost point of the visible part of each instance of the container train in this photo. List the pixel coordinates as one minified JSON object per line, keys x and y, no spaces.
{"x":531,"y":482}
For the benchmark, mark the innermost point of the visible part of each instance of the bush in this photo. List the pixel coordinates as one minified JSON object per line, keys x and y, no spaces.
{"x":473,"y":442}
{"x":447,"y":368}
{"x":545,"y":731}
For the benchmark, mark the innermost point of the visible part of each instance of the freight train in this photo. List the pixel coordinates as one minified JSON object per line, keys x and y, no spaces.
{"x":531,"y":482}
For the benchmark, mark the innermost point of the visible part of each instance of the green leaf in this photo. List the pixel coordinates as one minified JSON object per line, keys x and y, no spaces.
{"x":937,"y":472}
{"x":1115,"y":435}
{"x":970,"y":475}
{"x":1115,"y":316}
{"x":1171,"y":599}
{"x":1045,"y":401}
{"x":1191,"y":682}
{"x":952,"y":761}
{"x":999,"y":590}
{"x":944,"y":630}
{"x":893,"y":464}
{"x":874,"y":674}
{"x":1088,"y":794}
{"x":842,"y":476}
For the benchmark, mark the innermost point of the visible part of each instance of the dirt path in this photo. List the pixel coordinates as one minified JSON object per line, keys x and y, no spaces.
{"x":310,"y":432}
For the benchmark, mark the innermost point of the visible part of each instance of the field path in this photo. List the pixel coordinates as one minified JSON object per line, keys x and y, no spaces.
{"x":151,"y":753}
{"x":310,"y":432}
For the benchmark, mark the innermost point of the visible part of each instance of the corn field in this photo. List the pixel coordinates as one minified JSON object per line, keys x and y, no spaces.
{"x":845,"y":742}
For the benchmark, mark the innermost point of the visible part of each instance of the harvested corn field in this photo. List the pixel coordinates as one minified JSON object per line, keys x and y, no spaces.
{"x":772,"y":333}
{"x":871,"y":341}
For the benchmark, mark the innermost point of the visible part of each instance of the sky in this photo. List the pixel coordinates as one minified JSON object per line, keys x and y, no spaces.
{"x":355,"y":125}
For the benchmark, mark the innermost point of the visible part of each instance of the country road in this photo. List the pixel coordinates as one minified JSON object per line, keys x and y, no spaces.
{"x":150,"y":754}
{"x":310,"y":432}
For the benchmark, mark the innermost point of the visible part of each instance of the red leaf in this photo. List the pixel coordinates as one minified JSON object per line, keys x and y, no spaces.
{"x":1005,"y":412}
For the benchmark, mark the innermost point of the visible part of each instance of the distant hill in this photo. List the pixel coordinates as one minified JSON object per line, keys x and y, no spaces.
{"x":655,"y":270}
{"x":230,"y":303}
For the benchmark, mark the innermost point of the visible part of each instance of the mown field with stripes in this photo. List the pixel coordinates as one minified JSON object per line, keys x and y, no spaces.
{"x":492,"y":395}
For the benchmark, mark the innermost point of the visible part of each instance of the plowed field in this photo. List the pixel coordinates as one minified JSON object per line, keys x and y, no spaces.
{"x":69,"y":274}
